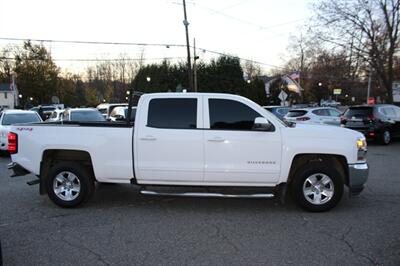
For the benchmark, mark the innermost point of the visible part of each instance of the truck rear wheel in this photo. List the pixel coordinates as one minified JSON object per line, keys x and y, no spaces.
{"x":69,"y":184}
{"x":317,"y":187}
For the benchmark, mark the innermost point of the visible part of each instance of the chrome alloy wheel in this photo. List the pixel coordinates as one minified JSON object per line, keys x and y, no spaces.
{"x":66,"y":186}
{"x":318,"y":189}
{"x":386,"y":137}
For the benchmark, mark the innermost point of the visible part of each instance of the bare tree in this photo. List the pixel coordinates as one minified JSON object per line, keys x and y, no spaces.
{"x":368,"y":27}
{"x":6,"y":64}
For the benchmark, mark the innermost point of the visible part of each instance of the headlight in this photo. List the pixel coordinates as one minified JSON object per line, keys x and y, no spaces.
{"x":361,"y":144}
{"x":362,"y":149}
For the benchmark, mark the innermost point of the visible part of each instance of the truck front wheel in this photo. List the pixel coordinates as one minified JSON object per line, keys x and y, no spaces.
{"x":69,"y":184}
{"x":317,"y":187}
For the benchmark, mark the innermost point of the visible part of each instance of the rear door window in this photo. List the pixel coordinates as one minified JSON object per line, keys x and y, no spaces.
{"x":178,"y":113}
{"x":231,"y":115}
{"x":333,"y":112}
{"x":389,"y":111}
{"x":321,"y":112}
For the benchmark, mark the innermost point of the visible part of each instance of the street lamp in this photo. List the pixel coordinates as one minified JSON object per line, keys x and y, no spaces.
{"x":320,"y":84}
{"x":20,"y":96}
{"x":248,"y":81}
{"x":148,"y":79}
{"x":128,"y":92}
{"x":30,"y":98}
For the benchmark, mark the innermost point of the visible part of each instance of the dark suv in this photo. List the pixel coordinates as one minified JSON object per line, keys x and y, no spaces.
{"x":380,"y":121}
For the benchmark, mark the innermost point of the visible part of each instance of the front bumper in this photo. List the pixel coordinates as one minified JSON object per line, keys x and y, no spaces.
{"x":358,"y":175}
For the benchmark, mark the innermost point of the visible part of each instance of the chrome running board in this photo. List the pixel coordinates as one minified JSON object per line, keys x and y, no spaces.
{"x":208,"y":195}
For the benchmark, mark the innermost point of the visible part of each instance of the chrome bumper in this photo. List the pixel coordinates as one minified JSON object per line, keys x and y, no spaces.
{"x":358,"y":175}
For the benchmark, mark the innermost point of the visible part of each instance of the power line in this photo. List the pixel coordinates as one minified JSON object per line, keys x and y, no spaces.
{"x":137,"y":44}
{"x":260,"y":27}
{"x":167,"y":45}
{"x":95,"y":59}
{"x":240,"y":58}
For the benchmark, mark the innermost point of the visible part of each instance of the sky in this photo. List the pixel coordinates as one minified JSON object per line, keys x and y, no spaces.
{"x":253,"y":29}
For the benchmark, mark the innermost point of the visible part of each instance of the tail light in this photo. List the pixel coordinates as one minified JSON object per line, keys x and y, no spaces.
{"x":371,"y":118}
{"x":12,"y":143}
{"x":304,"y":118}
{"x":343,"y":119}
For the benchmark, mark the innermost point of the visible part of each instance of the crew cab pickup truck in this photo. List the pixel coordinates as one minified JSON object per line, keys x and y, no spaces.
{"x":193,"y":144}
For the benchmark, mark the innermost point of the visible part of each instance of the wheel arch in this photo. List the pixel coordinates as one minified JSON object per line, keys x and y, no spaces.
{"x":51,"y":157}
{"x":337,"y":160}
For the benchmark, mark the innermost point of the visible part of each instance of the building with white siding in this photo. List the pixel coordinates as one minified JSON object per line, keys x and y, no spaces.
{"x":8,"y":96}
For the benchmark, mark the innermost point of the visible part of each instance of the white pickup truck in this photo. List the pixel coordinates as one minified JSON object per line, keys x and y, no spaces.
{"x":193,"y":144}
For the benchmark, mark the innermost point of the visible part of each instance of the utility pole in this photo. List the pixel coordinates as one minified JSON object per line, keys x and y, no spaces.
{"x":194,"y":65}
{"x":189,"y":64}
{"x":369,"y":83}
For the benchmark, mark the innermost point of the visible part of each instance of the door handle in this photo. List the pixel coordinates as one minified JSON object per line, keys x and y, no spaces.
{"x":148,"y":137}
{"x":216,"y":139}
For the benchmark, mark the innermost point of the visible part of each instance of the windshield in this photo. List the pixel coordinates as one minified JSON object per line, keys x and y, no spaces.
{"x":86,"y":116}
{"x":296,"y":113}
{"x":10,"y":119}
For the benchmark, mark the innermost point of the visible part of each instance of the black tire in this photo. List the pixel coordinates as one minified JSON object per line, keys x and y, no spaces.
{"x":85,"y":182}
{"x":319,"y":170}
{"x":385,"y":137}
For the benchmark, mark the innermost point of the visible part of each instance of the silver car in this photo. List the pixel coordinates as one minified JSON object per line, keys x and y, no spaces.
{"x":318,"y":115}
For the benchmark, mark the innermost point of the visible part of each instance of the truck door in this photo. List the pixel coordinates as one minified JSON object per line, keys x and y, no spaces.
{"x":169,"y":144}
{"x":234,"y":152}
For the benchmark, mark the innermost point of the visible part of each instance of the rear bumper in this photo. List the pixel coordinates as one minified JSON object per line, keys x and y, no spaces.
{"x":17,"y":169}
{"x":358,"y":175}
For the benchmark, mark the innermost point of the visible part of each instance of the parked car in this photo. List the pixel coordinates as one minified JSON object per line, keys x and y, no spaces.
{"x":106,"y":108}
{"x":120,"y":113}
{"x":56,"y":115}
{"x":380,"y":121}
{"x":194,"y":144}
{"x":317,"y":115}
{"x":46,"y":109}
{"x":82,"y":115}
{"x":279,"y":111}
{"x":10,"y":117}
{"x":329,"y":103}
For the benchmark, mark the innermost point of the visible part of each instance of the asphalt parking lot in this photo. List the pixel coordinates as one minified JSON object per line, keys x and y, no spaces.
{"x":119,"y":226}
